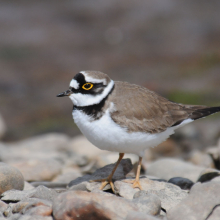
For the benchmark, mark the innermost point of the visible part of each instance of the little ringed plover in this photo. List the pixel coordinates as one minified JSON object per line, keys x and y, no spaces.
{"x":126,"y":118}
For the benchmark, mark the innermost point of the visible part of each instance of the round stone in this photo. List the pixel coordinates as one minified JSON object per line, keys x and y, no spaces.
{"x":183,"y":183}
{"x":10,"y":178}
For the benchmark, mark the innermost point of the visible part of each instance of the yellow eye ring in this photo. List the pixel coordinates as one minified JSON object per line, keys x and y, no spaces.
{"x":87,"y":86}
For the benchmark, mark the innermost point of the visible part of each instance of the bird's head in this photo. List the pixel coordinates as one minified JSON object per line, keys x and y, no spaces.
{"x":88,"y":88}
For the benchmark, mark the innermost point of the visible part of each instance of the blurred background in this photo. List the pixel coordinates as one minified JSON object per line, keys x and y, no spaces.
{"x":171,"y":47}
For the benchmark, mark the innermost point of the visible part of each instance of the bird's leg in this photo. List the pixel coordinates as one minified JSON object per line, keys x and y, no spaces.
{"x":109,"y":178}
{"x":136,"y":182}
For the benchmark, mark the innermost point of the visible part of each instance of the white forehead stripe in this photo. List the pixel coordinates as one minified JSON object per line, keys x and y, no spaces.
{"x":74,"y":84}
{"x":92,"y":80}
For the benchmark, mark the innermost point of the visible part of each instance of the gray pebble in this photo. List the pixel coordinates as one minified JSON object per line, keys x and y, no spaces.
{"x":183,"y":183}
{"x":10,"y":178}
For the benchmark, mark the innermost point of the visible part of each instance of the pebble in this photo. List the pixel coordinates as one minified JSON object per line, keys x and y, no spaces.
{"x":10,"y":178}
{"x":183,"y":183}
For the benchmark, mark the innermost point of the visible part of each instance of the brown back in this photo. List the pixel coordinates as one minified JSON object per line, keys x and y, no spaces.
{"x":139,"y":109}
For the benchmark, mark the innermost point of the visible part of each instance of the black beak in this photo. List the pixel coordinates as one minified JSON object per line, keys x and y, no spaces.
{"x":66,"y":93}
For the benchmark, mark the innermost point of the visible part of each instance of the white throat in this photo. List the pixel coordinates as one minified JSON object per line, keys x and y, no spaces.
{"x":79,"y":99}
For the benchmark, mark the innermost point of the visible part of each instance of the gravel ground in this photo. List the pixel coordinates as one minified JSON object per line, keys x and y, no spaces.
{"x":48,"y":177}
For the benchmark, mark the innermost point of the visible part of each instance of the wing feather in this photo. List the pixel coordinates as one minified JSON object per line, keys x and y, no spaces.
{"x":140,"y":109}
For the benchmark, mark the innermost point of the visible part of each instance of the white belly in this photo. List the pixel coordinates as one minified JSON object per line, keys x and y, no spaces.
{"x":107,"y":135}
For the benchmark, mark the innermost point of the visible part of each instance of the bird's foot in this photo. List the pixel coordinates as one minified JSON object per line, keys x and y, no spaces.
{"x":135,"y":183}
{"x":104,"y":182}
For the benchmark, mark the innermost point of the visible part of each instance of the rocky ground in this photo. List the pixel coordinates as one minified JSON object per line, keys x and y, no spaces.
{"x":48,"y":177}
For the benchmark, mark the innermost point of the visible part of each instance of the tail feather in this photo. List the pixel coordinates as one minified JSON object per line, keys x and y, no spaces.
{"x":200,"y":113}
{"x":195,"y":112}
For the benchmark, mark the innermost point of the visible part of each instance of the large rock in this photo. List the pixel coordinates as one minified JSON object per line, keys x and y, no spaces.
{"x":202,"y":199}
{"x":38,"y":169}
{"x":10,"y":178}
{"x":84,"y":205}
{"x":169,"y":194}
{"x":123,"y":168}
{"x":169,"y":168}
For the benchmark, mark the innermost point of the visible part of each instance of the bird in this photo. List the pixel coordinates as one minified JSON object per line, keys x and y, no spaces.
{"x":125,"y":118}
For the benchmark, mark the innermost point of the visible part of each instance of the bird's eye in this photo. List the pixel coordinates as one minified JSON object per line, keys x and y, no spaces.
{"x":87,"y":86}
